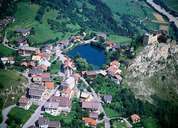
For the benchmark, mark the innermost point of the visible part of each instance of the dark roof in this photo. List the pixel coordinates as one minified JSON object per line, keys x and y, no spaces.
{"x":93,"y":115}
{"x":63,"y":101}
{"x":90,"y":104}
{"x":54,"y":124}
{"x":43,"y":121}
{"x":35,"y":71}
{"x":107,"y":98}
{"x":21,"y":30}
{"x":36,"y":90}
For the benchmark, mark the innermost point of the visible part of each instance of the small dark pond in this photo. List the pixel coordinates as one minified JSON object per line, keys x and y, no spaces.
{"x":94,"y":56}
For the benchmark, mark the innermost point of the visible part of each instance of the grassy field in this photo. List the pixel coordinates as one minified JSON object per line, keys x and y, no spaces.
{"x":19,"y":116}
{"x":4,"y":51}
{"x":138,"y":10}
{"x":11,"y":87}
{"x":10,"y":78}
{"x":119,"y":39}
{"x":150,"y":123}
{"x":110,"y":112}
{"x":25,"y":18}
{"x":173,"y":4}
{"x":118,"y":124}
{"x":55,"y":67}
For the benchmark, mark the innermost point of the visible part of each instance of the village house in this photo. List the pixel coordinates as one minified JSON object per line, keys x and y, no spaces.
{"x":101,"y":36}
{"x":36,"y":57}
{"x":57,"y":104}
{"x":45,"y":123}
{"x":114,"y":72}
{"x":49,"y":85}
{"x":69,"y":66}
{"x":7,"y":60}
{"x":44,"y":62}
{"x":77,"y":77}
{"x":63,"y":44}
{"x":91,"y":74}
{"x":69,"y":82}
{"x":67,"y":92}
{"x":23,"y":32}
{"x":42,"y":67}
{"x":24,"y":102}
{"x":27,"y":51}
{"x":47,"y":49}
{"x":89,"y":121}
{"x":35,"y":92}
{"x":91,"y":105}
{"x":93,"y":115}
{"x":35,"y":71}
{"x":22,"y":42}
{"x":86,"y":96}
{"x":107,"y":99}
{"x":28,"y":64}
{"x":135,"y":118}
{"x":42,"y":77}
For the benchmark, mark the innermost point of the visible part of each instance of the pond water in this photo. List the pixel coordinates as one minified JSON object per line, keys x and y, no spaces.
{"x":94,"y":56}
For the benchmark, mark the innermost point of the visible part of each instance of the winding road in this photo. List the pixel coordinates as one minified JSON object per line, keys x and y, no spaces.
{"x":5,"y":112}
{"x":106,"y":118}
{"x":163,"y":12}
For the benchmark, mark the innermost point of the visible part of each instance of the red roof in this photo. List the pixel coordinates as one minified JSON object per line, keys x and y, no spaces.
{"x":89,"y":121}
{"x":115,"y":62}
{"x":135,"y":118}
{"x":49,"y":85}
{"x":68,"y":63}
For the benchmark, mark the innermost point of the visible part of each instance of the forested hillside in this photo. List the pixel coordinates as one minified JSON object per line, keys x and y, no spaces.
{"x":52,"y":20}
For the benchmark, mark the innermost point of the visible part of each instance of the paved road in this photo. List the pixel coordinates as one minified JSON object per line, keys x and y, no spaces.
{"x":164,"y":12}
{"x":106,"y":119}
{"x":34,"y":117}
{"x":90,"y":40}
{"x":5,"y":112}
{"x":6,"y":40}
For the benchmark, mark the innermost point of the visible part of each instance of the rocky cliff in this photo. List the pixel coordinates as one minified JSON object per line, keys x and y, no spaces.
{"x":155,"y":72}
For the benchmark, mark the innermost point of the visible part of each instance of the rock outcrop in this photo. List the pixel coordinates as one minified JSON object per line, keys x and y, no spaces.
{"x":155,"y":72}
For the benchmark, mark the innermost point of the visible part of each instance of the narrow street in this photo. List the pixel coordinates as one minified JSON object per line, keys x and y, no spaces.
{"x":34,"y":117}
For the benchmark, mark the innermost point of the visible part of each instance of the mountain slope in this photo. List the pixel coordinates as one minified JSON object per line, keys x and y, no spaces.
{"x":153,"y":77}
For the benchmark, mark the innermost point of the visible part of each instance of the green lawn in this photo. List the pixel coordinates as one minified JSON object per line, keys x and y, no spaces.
{"x":110,"y":112}
{"x":118,"y":124}
{"x":150,"y":123}
{"x":55,"y":67}
{"x":18,"y":116}
{"x":4,"y":51}
{"x":119,"y":39}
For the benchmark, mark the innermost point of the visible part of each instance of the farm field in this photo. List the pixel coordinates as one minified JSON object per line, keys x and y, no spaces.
{"x":141,"y":11}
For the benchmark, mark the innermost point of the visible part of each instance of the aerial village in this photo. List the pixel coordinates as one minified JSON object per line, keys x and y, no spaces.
{"x":55,"y":99}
